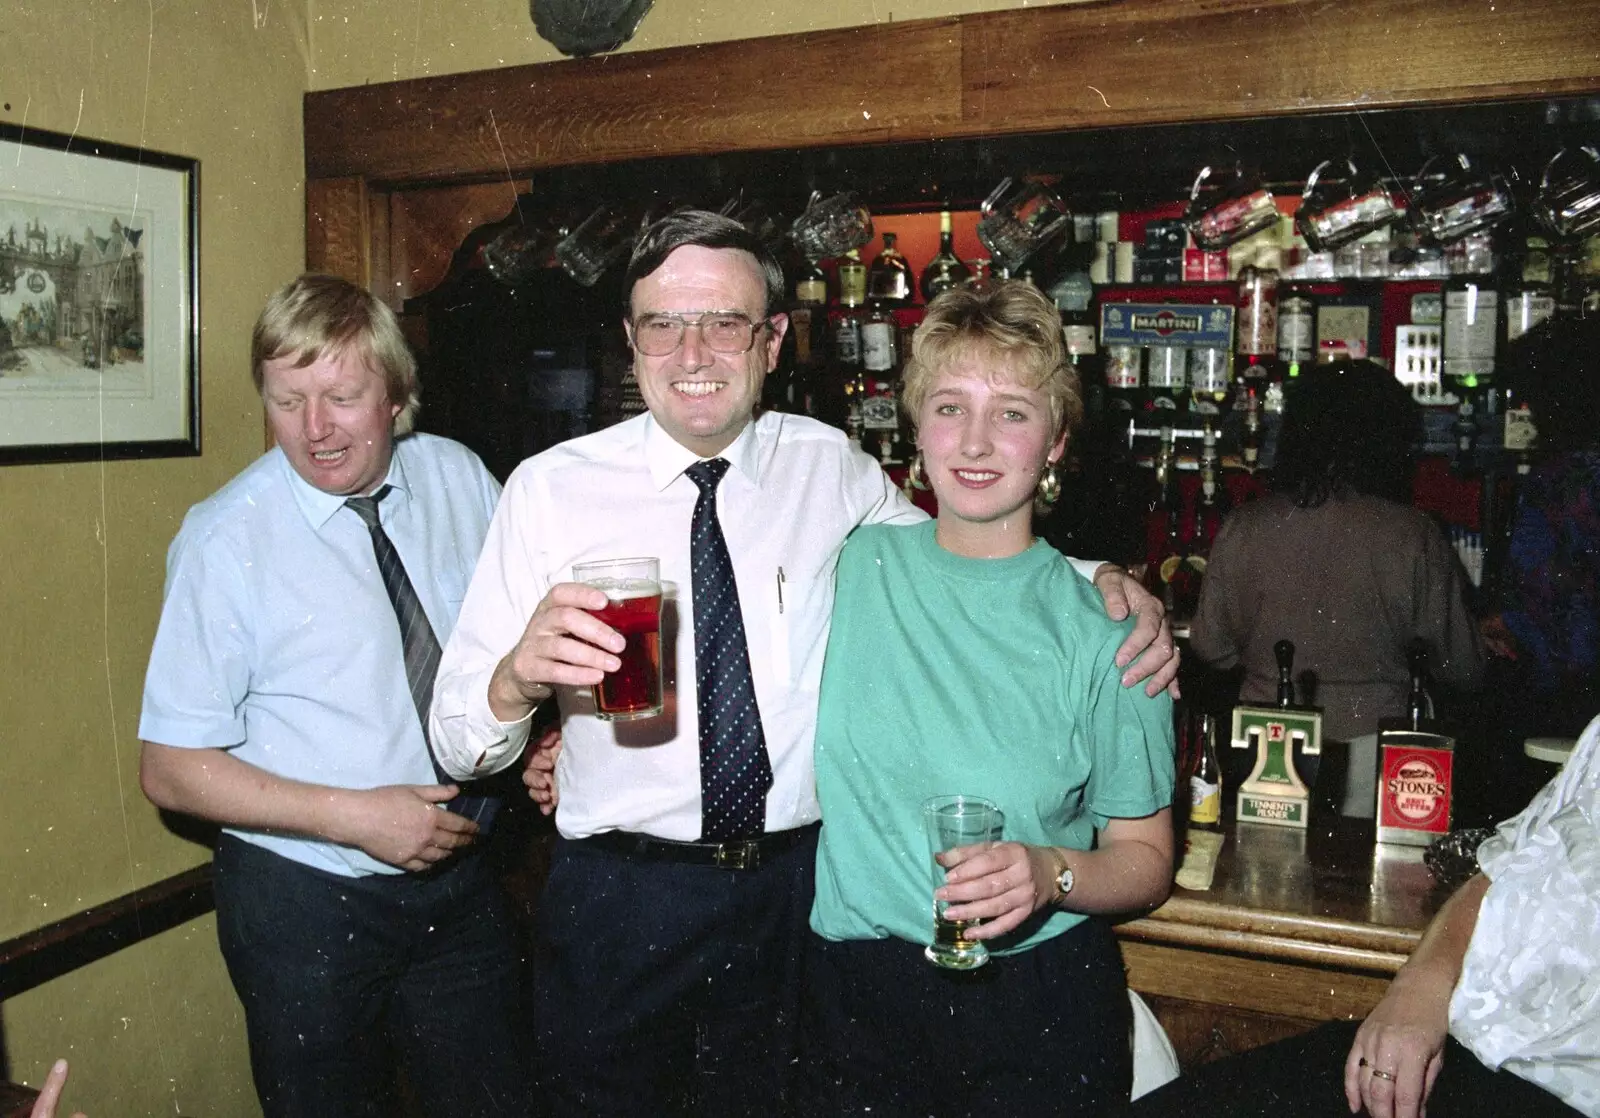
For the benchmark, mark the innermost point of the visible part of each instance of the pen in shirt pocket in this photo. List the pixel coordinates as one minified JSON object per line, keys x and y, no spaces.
{"x":780,"y":589}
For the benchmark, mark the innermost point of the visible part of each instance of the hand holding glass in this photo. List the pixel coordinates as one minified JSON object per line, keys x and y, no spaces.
{"x":955,"y":821}
{"x":633,"y":608}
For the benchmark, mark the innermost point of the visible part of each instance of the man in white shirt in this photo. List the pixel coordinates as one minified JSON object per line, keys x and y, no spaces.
{"x":668,"y":965}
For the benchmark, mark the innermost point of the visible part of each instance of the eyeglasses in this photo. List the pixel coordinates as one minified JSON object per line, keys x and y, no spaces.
{"x":657,"y":335}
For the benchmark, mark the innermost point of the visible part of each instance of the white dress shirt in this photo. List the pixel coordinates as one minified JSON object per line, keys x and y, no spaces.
{"x":795,"y":491}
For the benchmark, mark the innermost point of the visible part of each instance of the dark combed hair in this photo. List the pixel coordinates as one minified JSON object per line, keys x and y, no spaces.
{"x":1348,"y":427}
{"x":707,"y":230}
{"x":1555,"y":367}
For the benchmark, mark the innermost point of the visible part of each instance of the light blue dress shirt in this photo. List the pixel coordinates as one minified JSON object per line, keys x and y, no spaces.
{"x":277,"y":639}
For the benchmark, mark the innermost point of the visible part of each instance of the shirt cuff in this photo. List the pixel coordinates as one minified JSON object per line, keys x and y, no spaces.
{"x":471,"y":742}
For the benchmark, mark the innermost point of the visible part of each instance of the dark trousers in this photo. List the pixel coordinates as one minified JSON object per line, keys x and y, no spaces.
{"x":669,"y":989}
{"x":344,"y":978}
{"x":1042,"y":1032}
{"x":1304,"y":1076}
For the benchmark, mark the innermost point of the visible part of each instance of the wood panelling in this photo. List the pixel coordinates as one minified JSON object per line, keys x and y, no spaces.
{"x":423,"y":230}
{"x":1150,"y":61}
{"x":338,"y":236}
{"x":1251,"y":985}
{"x":1028,"y":70}
{"x":858,"y":85}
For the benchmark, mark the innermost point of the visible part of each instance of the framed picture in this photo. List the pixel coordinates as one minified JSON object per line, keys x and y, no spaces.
{"x":99,"y":300}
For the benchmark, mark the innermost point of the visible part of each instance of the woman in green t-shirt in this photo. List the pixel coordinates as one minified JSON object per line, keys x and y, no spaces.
{"x":968,"y":657}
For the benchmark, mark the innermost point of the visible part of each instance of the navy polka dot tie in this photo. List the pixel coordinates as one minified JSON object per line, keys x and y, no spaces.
{"x":734,"y":770}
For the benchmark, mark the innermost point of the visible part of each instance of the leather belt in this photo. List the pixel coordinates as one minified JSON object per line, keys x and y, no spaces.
{"x":739,"y":854}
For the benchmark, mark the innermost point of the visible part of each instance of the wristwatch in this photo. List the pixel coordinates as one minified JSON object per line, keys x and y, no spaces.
{"x":1064,"y":880}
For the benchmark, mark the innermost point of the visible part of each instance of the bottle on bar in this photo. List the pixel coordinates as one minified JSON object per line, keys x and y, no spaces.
{"x":1283,"y":652}
{"x":1419,"y":704}
{"x":945,"y":270}
{"x":889,"y":279}
{"x":1205,"y":784}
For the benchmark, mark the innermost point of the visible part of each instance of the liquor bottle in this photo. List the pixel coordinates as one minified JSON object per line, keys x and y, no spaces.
{"x":1213,"y":497}
{"x":847,"y":325}
{"x":1530,"y":298}
{"x":1210,"y":379}
{"x":1256,"y":329}
{"x":880,"y":412}
{"x":1167,"y":376}
{"x":889,"y":280}
{"x":945,"y":270}
{"x":1250,"y":436}
{"x":1124,"y":365}
{"x":1205,"y":784}
{"x":1471,"y":328}
{"x":1297,"y":332}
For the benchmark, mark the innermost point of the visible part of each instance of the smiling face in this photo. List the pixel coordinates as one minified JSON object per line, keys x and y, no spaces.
{"x":333,"y":418}
{"x":702,"y":398}
{"x":985,"y":440}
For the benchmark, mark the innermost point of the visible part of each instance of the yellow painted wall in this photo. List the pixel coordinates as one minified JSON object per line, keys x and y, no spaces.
{"x":154,"y":1029}
{"x":360,"y":41}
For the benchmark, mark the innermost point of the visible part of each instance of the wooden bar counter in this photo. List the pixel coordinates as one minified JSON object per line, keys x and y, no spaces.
{"x":1297,"y":928}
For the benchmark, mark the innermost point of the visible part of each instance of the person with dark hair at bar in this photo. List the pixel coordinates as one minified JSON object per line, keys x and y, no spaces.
{"x":1337,"y":561}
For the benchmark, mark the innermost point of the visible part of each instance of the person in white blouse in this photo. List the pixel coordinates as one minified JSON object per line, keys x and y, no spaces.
{"x":667,"y":966}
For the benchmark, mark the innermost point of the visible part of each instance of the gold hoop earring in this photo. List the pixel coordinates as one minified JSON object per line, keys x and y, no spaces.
{"x":1049,"y":491}
{"x":914,"y":472}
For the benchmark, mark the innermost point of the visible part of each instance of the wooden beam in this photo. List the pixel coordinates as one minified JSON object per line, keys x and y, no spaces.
{"x":1041,"y":69}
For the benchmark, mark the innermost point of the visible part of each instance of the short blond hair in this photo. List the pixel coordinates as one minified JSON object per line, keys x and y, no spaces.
{"x":1012,"y":322}
{"x":316,"y":315}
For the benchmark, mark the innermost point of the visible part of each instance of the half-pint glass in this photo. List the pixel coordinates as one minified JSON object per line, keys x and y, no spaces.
{"x":954,"y":821}
{"x":633,"y":608}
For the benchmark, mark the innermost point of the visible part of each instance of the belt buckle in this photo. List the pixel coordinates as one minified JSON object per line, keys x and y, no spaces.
{"x":738,"y":856}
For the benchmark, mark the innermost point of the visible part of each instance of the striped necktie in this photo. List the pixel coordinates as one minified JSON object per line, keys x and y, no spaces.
{"x":735,"y":771}
{"x":421,"y":647}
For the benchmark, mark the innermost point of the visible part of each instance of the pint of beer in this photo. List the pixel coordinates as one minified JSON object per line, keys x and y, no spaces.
{"x":633,"y":608}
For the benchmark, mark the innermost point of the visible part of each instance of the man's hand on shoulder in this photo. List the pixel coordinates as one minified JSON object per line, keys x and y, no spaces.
{"x":405,"y":825}
{"x":1148,"y":653}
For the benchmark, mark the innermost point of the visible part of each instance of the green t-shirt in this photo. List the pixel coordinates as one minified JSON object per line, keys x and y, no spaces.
{"x":986,"y":677}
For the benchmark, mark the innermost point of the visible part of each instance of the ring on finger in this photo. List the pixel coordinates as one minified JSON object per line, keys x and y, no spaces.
{"x":1377,"y":1072}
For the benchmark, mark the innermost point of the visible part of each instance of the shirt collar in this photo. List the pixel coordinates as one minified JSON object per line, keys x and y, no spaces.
{"x":667,"y":458}
{"x":319,"y":507}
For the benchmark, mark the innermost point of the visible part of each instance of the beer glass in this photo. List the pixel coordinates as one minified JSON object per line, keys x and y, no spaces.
{"x":633,"y":608}
{"x":1017,"y":218}
{"x":603,"y":238}
{"x":954,"y":821}
{"x":1568,"y":202}
{"x":831,"y":227}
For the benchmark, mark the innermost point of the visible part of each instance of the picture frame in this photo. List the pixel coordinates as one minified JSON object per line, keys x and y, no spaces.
{"x":99,"y":300}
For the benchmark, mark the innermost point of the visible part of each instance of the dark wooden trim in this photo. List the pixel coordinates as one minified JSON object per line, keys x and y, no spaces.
{"x":1058,"y":67}
{"x":49,"y":952}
